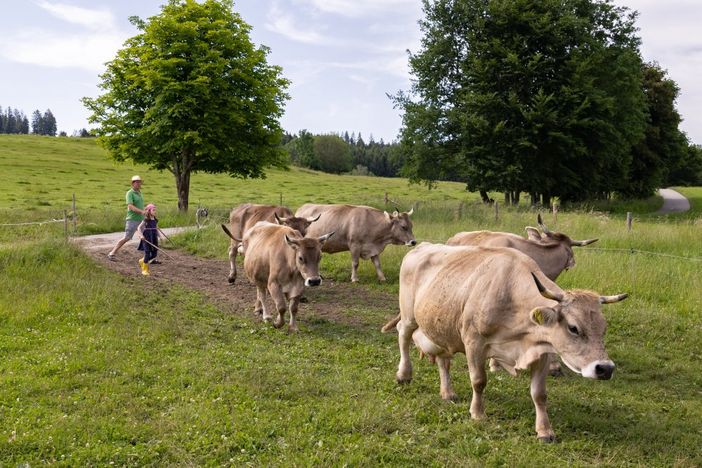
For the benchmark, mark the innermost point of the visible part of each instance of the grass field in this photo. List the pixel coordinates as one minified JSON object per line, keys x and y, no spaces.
{"x":97,"y":370}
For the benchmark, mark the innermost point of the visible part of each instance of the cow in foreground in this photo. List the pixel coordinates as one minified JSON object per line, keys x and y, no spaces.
{"x":552,"y":251}
{"x":279,"y":260}
{"x":496,"y":303}
{"x":245,"y":216}
{"x":362,"y":230}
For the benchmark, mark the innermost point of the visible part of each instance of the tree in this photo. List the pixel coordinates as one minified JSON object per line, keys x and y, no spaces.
{"x":664,"y":147}
{"x":333,"y":153}
{"x":543,"y":97}
{"x":49,"y":123}
{"x":37,"y":123}
{"x":301,"y":150}
{"x":192,"y":93}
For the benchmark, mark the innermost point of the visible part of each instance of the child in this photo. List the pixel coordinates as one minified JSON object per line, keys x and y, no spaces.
{"x":148,"y":231}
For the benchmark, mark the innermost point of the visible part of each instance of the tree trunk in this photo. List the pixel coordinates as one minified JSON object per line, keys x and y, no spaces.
{"x":515,"y":197}
{"x":484,"y":196}
{"x":508,"y":198}
{"x":183,"y":187}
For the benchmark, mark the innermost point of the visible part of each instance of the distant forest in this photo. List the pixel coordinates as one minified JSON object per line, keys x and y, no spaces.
{"x":344,"y":153}
{"x":15,"y":121}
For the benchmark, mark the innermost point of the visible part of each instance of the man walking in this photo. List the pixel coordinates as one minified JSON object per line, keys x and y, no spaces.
{"x":135,"y":215}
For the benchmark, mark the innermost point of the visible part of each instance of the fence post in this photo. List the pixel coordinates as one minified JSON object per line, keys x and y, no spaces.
{"x":628,"y":220}
{"x":74,"y":214}
{"x":459,"y":211}
{"x":555,"y":214}
{"x":497,"y":210}
{"x":281,"y":198}
{"x":65,"y":224}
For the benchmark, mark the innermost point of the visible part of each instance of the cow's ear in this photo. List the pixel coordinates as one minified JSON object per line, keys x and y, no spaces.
{"x":324,"y":238}
{"x":544,"y":316}
{"x":533,"y":233}
{"x":294,"y":243}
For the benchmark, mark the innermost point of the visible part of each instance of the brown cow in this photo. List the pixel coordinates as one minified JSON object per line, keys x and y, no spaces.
{"x":362,"y":230}
{"x":245,"y":216}
{"x":552,"y":251}
{"x":496,"y":303}
{"x":278,"y":259}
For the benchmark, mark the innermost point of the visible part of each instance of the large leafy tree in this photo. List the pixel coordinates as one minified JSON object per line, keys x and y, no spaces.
{"x":515,"y":95}
{"x":192,"y":93}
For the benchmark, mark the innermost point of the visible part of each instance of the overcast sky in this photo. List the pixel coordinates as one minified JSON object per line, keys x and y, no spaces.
{"x":342,"y":56}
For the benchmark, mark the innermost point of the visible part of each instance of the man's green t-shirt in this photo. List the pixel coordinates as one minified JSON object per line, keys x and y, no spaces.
{"x":135,"y":198}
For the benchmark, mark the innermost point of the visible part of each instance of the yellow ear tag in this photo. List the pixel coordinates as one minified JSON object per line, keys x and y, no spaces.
{"x":538,"y":316}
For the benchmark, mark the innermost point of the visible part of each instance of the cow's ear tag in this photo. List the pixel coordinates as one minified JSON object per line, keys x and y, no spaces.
{"x":537,"y":316}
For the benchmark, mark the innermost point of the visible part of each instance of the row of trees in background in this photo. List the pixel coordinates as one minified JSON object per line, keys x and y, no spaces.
{"x":343,"y":153}
{"x":15,"y":121}
{"x":550,"y":98}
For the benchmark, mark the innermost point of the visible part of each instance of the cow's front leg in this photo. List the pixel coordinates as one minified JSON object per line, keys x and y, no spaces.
{"x":232,"y":261}
{"x":404,"y":338}
{"x":260,"y":306}
{"x":278,"y":297}
{"x":478,"y":380}
{"x":294,"y":302}
{"x":378,"y":270}
{"x":444,"y":365}
{"x":539,"y":369}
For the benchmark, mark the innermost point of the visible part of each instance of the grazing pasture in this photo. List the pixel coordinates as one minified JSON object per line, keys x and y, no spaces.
{"x":99,"y":368}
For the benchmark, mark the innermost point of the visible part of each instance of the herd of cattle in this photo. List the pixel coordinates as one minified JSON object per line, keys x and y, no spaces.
{"x":489,"y":295}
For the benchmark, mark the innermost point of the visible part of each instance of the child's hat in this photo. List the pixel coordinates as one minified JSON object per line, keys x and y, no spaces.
{"x":150,"y":207}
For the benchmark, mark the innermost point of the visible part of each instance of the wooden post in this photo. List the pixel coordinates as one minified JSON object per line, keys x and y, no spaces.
{"x":555,"y":214}
{"x":628,"y":220}
{"x":281,"y":198}
{"x":497,"y":211}
{"x":386,"y":198}
{"x":65,"y":224}
{"x":459,"y":211}
{"x":74,"y":214}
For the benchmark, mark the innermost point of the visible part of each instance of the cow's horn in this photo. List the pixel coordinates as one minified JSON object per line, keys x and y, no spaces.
{"x":326,"y":236}
{"x":312,"y":219}
{"x":541,"y":224}
{"x":409,"y":213}
{"x":611,"y":299}
{"x":556,"y":296}
{"x":582,"y":243}
{"x":280,"y":220}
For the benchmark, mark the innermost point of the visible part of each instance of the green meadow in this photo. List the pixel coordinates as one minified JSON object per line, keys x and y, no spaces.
{"x":95,"y":369}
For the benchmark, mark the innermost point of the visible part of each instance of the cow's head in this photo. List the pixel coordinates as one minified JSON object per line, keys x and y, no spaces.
{"x":298,"y":224}
{"x":308,"y":253}
{"x":401,"y":227}
{"x":575,"y":327}
{"x":548,"y":237}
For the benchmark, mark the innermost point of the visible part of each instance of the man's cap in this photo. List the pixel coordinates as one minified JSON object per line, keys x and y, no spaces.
{"x":136,"y":178}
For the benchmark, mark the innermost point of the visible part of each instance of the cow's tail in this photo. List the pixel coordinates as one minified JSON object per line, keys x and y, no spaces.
{"x":226,"y":230}
{"x":391,"y":324}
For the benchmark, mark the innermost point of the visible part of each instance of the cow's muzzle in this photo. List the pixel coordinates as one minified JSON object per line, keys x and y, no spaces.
{"x":313,"y":281}
{"x":600,"y":370}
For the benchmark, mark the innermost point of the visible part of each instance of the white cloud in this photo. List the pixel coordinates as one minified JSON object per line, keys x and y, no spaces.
{"x":43,"y":48}
{"x":92,"y":19}
{"x":285,"y":25}
{"x":360,"y":8}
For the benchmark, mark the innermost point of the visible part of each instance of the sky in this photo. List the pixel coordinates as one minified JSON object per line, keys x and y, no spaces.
{"x":343,"y":57}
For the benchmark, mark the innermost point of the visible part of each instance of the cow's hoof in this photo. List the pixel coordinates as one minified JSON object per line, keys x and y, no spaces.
{"x":548,"y":439}
{"x":267,"y":318}
{"x":231,"y":280}
{"x":303,"y":300}
{"x":278,"y":323}
{"x":403,"y":380}
{"x":555,"y":370}
{"x":293,"y":330}
{"x":449,"y":397}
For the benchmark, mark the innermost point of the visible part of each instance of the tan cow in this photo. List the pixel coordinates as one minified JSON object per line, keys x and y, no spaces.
{"x":552,"y":251}
{"x":279,"y":260}
{"x":496,"y":303}
{"x":245,"y":216}
{"x":362,"y":230}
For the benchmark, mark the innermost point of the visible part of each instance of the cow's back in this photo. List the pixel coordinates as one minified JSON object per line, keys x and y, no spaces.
{"x":348,"y":222}
{"x":453,"y":286}
{"x":243,"y":217}
{"x":266,"y":250}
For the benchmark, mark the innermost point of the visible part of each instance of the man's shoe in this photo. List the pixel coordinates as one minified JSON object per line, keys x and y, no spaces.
{"x":154,"y":262}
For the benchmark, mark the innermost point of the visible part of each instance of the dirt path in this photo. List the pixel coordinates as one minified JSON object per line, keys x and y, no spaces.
{"x":330,"y":301}
{"x":673,"y":202}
